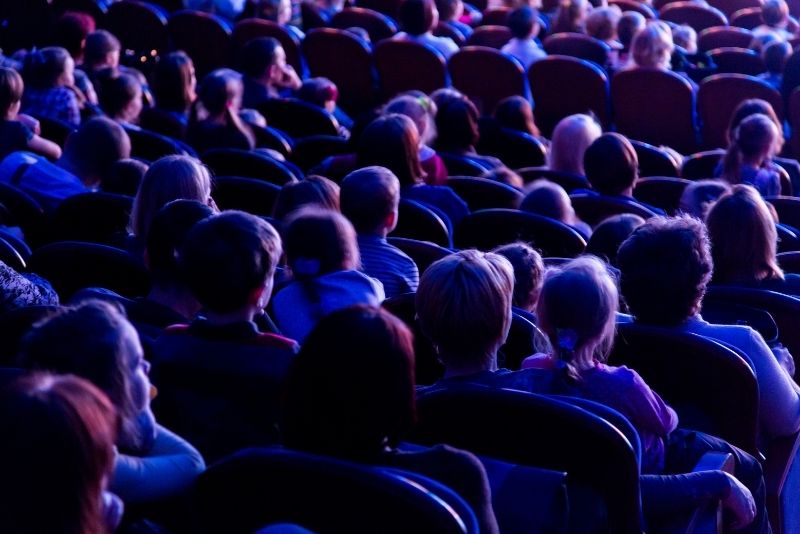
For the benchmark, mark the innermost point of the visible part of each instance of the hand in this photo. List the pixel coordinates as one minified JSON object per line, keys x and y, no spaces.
{"x":785,"y":358}
{"x":290,"y":79}
{"x":30,"y":122}
{"x":740,"y":503}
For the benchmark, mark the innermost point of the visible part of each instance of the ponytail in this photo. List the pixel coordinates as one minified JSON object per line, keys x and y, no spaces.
{"x":732,"y":162}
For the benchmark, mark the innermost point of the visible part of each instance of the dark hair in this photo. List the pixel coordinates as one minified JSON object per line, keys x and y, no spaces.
{"x":369,"y":195}
{"x":447,"y":9}
{"x":71,"y":30}
{"x":521,"y":21}
{"x":313,"y":190}
{"x":528,"y":273}
{"x":549,"y":199}
{"x":218,"y":89}
{"x":748,"y":107}
{"x":610,"y":234}
{"x":56,"y":452}
{"x":258,"y":55}
{"x":125,"y":176}
{"x":515,"y":112}
{"x":456,"y":124}
{"x":418,"y":16}
{"x":611,"y":164}
{"x":665,"y":267}
{"x":351,"y":407}
{"x":168,"y":231}
{"x":629,"y":24}
{"x":116,"y":91}
{"x":392,"y":141}
{"x":228,"y":256}
{"x":98,"y":45}
{"x":43,"y":68}
{"x":11,"y":89}
{"x":318,"y":91}
{"x":775,"y":55}
{"x":172,"y":82}
{"x":96,"y":146}
{"x":756,"y":134}
{"x":318,"y":242}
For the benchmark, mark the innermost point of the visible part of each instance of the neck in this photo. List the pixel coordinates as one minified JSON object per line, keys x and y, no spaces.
{"x":238,"y":316}
{"x":470,"y":366}
{"x":179,"y":300}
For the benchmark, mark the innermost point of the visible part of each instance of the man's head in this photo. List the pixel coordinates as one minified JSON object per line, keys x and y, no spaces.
{"x":611,"y":164}
{"x":263,"y":59}
{"x":95,"y":147}
{"x":369,"y":198}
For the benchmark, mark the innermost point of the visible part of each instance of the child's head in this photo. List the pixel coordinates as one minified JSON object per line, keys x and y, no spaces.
{"x":528,"y":273}
{"x":611,"y":164}
{"x":221,"y":91}
{"x":609,"y":235}
{"x":685,"y":37}
{"x":125,"y":176}
{"x":311,"y":191}
{"x":630,"y":23}
{"x":120,"y":96}
{"x":504,"y":175}
{"x":601,"y":23}
{"x":775,"y":55}
{"x":418,"y":17}
{"x":370,"y":198}
{"x":262,"y":57}
{"x":652,"y":47}
{"x":515,"y":112}
{"x":577,"y":310}
{"x":751,"y":106}
{"x":11,"y":89}
{"x":571,"y":15}
{"x":174,"y":82}
{"x":102,"y":50}
{"x":71,"y":30}
{"x":548,"y":199}
{"x":456,"y":123}
{"x":450,"y":9}
{"x":392,"y":141}
{"x":279,"y":11}
{"x":775,"y":13}
{"x":755,"y":141}
{"x":699,"y":196}
{"x":571,"y":137}
{"x":49,"y":67}
{"x":416,"y":109}
{"x":97,"y":145}
{"x":319,"y":242}
{"x":321,"y":92}
{"x":229,"y":260}
{"x":524,"y":23}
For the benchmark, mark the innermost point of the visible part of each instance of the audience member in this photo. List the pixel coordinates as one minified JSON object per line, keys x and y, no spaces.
{"x":418,"y":18}
{"x":571,"y":16}
{"x":748,"y":159}
{"x":421,"y":109}
{"x":71,"y":31}
{"x":50,"y":92}
{"x":451,"y":12}
{"x":102,"y":52}
{"x":602,"y":22}
{"x":15,"y":131}
{"x":775,"y":56}
{"x":266,"y":73}
{"x":610,"y":234}
{"x":524,"y":25}
{"x":630,"y":23}
{"x":120,"y":96}
{"x":457,"y":127}
{"x":529,"y":272}
{"x":125,"y":177}
{"x":549,"y":199}
{"x":214,"y":120}
{"x":775,"y":14}
{"x":699,"y":196}
{"x":516,"y":113}
{"x":174,"y":86}
{"x":227,"y":9}
{"x":504,"y":175}
{"x":571,"y":137}
{"x":652,"y":47}
{"x":323,"y":93}
{"x":312,"y":191}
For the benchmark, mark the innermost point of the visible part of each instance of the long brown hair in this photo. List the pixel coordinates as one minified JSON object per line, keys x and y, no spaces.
{"x":392,"y":141}
{"x":756,"y":135}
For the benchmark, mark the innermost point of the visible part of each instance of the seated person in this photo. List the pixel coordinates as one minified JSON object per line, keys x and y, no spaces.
{"x":120,"y":97}
{"x":524,"y":25}
{"x":609,"y":235}
{"x":775,"y":14}
{"x":630,"y":23}
{"x":323,"y":93}
{"x":174,"y":90}
{"x":49,"y":76}
{"x":418,"y":18}
{"x":87,"y":159}
{"x":549,"y":199}
{"x":571,"y":137}
{"x":227,"y":9}
{"x":516,"y":113}
{"x":311,"y":191}
{"x":749,"y":157}
{"x":266,"y":73}
{"x":215,"y":121}
{"x":219,"y":377}
{"x":71,"y":31}
{"x":370,"y":198}
{"x":529,"y":272}
{"x":775,"y":55}
{"x":20,"y":290}
{"x":452,"y":13}
{"x":700,"y":195}
{"x":686,"y":56}
{"x":19,"y":132}
{"x":421,"y":109}
{"x":102,"y":52}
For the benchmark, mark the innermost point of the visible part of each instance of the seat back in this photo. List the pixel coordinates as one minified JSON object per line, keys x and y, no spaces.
{"x":390,"y":8}
{"x":312,"y":150}
{"x":735,"y":60}
{"x":152,"y":146}
{"x":445,"y":29}
{"x":497,"y":16}
{"x":298,"y":118}
{"x":697,"y":16}
{"x":460,"y":165}
{"x":405,"y":65}
{"x":490,"y":35}
{"x":655,"y":161}
{"x":718,"y":97}
{"x":594,"y":209}
{"x":235,"y":162}
{"x":794,"y":120}
{"x":417,"y":221}
{"x":162,"y":122}
{"x":723,"y":36}
{"x":10,"y":256}
{"x":661,"y":191}
{"x":487,"y":229}
{"x":482,"y":193}
{"x":205,"y":37}
{"x":140,"y":26}
{"x":711,"y":386}
{"x":25,"y":212}
{"x":788,"y":209}
{"x":634,"y":5}
{"x":554,"y":436}
{"x":729,"y":7}
{"x":747,"y":18}
{"x":96,"y":8}
{"x":95,"y":217}
{"x":246,"y":194}
{"x":701,"y":165}
{"x":577,"y":45}
{"x":377,"y":25}
{"x":471,"y":66}
{"x":567,"y":180}
{"x":323,"y":494}
{"x":427,"y":367}
{"x":671,"y":123}
{"x":514,"y":148}
{"x":14,"y":325}
{"x":424,"y":253}
{"x":248,"y":29}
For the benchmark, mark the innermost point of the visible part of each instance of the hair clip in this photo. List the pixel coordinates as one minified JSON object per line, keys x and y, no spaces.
{"x":567,"y":338}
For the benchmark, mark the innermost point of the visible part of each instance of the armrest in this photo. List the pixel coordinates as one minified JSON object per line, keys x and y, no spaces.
{"x":715,"y":461}
{"x":781,"y":453}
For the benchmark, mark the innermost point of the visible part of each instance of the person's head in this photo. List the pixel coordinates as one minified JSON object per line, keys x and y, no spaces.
{"x":504,"y":175}
{"x":464,"y":307}
{"x":95,"y":147}
{"x":751,"y":106}
{"x":630,"y":23}
{"x":95,"y":341}
{"x":49,"y":67}
{"x":168,"y":231}
{"x":762,"y":39}
{"x":418,"y":16}
{"x":229,"y":260}
{"x":125,"y":176}
{"x":456,"y":123}
{"x":571,"y":137}
{"x":743,"y":237}
{"x":170,"y":178}
{"x":263,"y":58}
{"x":450,"y":9}
{"x":753,"y":142}
{"x":685,"y":37}
{"x":524,"y":23}
{"x":321,"y":92}
{"x":56,"y":455}
{"x":571,"y":15}
{"x":370,"y":198}
{"x":775,"y":13}
{"x":279,"y":11}
{"x":549,"y":199}
{"x":311,"y":191}
{"x":601,"y":23}
{"x":652,"y":46}
{"x":102,"y":50}
{"x":71,"y":30}
{"x":515,"y":112}
{"x":392,"y":141}
{"x":415,"y":108}
{"x":528,"y":273}
{"x":610,"y":234}
{"x":319,"y":242}
{"x":120,"y":96}
{"x":174,"y":82}
{"x":699,"y":196}
{"x":221,"y":91}
{"x":665,"y":267}
{"x":611,"y":164}
{"x":775,"y":55}
{"x":11,"y":89}
{"x":351,"y":407}
{"x":577,"y":311}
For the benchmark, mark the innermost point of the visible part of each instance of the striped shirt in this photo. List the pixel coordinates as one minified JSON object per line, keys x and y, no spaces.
{"x":389,"y":264}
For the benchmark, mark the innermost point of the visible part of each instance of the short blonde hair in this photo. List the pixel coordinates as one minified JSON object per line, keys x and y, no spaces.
{"x":464,"y":305}
{"x":601,"y":23}
{"x":571,"y":137}
{"x":652,"y":47}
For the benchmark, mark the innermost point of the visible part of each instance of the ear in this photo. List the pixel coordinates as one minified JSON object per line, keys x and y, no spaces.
{"x":391,"y":221}
{"x":256,"y":296}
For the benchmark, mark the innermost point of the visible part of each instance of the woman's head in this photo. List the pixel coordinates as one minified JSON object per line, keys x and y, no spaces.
{"x":318,"y":242}
{"x":515,"y":112}
{"x":313,"y":190}
{"x":279,"y":11}
{"x":611,"y":164}
{"x":56,"y":453}
{"x":752,"y":106}
{"x":120,"y":96}
{"x":456,"y":122}
{"x":221,"y":90}
{"x":571,"y":137}
{"x":464,"y":307}
{"x":49,"y":67}
{"x":754,"y":141}
{"x":743,"y":238}
{"x":418,"y":16}
{"x":528,"y":273}
{"x":652,"y":47}
{"x":356,"y":406}
{"x":169,"y":178}
{"x":571,"y":16}
{"x":392,"y":141}
{"x":11,"y":89}
{"x":415,"y":108}
{"x":602,"y":23}
{"x":630,"y":23}
{"x":174,"y":82}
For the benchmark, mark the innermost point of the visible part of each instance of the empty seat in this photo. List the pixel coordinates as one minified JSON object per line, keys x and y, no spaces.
{"x":747,"y":18}
{"x":248,"y":29}
{"x":140,"y":26}
{"x":723,"y":36}
{"x":491,"y":36}
{"x":377,"y":25}
{"x":405,"y":65}
{"x":737,"y":60}
{"x":205,"y":37}
{"x":472,"y":67}
{"x":698,"y":16}
{"x":298,"y":118}
{"x":234,"y":162}
{"x":578,"y":45}
{"x":481,"y":193}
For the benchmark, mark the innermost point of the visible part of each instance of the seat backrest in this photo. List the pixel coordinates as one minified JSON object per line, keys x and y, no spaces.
{"x":445,"y":29}
{"x":152,"y":146}
{"x":723,"y":36}
{"x":205,"y":37}
{"x":404,"y":65}
{"x":655,"y":161}
{"x":140,"y":26}
{"x":417,"y":221}
{"x":593,"y":209}
{"x":298,"y":118}
{"x":661,"y":191}
{"x":471,"y":66}
{"x":10,"y":256}
{"x":497,"y":16}
{"x":162,"y":122}
{"x":424,"y":253}
{"x":390,"y":8}
{"x":737,"y":60}
{"x":248,"y":29}
{"x":697,"y":16}
{"x":788,"y":209}
{"x":487,"y":229}
{"x":377,"y":25}
{"x":729,"y":7}
{"x":96,"y":217}
{"x":514,"y":148}
{"x":492,"y":36}
{"x":701,"y":165}
{"x":235,"y":162}
{"x":96,"y":8}
{"x":789,"y":262}
{"x":567,"y":180}
{"x":346,"y":60}
{"x":246,"y":194}
{"x":671,"y":123}
{"x":563,"y":86}
{"x":310,"y":151}
{"x":257,"y":487}
{"x":461,"y":165}
{"x":578,"y":45}
{"x":718,"y":97}
{"x":554,"y":436}
{"x":482,"y":193}
{"x":312,"y":16}
{"x":747,"y":18}
{"x":24,"y":211}
{"x":14,"y":325}
{"x":634,"y":5}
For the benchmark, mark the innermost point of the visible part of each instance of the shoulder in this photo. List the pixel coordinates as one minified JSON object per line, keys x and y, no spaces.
{"x":539,"y":361}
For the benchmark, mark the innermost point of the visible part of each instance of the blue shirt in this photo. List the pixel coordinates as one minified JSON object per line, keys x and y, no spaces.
{"x":47,"y":183}
{"x":391,"y":266}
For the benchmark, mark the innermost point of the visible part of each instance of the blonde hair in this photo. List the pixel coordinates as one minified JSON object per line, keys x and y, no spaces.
{"x":652,"y":47}
{"x":170,"y":178}
{"x":571,"y":137}
{"x":416,"y":109}
{"x":602,"y":22}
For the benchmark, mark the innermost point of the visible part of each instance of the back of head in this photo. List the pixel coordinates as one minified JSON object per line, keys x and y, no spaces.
{"x":522,"y":22}
{"x":11,"y":89}
{"x":98,"y":45}
{"x":549,"y":199}
{"x":351,"y":407}
{"x":418,"y":16}
{"x":125,"y":176}
{"x":464,"y":306}
{"x":416,"y":109}
{"x":528,"y":273}
{"x":369,"y":196}
{"x":218,"y":89}
{"x":756,"y":138}
{"x":170,"y":178}
{"x":456,"y":124}
{"x":699,"y":196}
{"x":174,"y":82}
{"x":601,"y":23}
{"x":55,"y":455}
{"x":577,"y":310}
{"x":748,"y":107}
{"x":318,"y":91}
{"x":652,"y":47}
{"x":71,"y":30}
{"x":571,"y":16}
{"x":116,"y":91}
{"x":571,"y":137}
{"x":665,"y":266}
{"x":166,"y":236}
{"x":227,"y":257}
{"x":95,"y":147}
{"x":743,"y":238}
{"x":258,"y":55}
{"x":775,"y":55}
{"x":449,"y":9}
{"x":630,"y":23}
{"x":609,"y":235}
{"x":611,"y":164}
{"x":42,"y":69}
{"x":515,"y":112}
{"x":311,"y":191}
{"x":319,"y":242}
{"x":392,"y":141}
{"x":775,"y":13}
{"x":685,"y":37}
